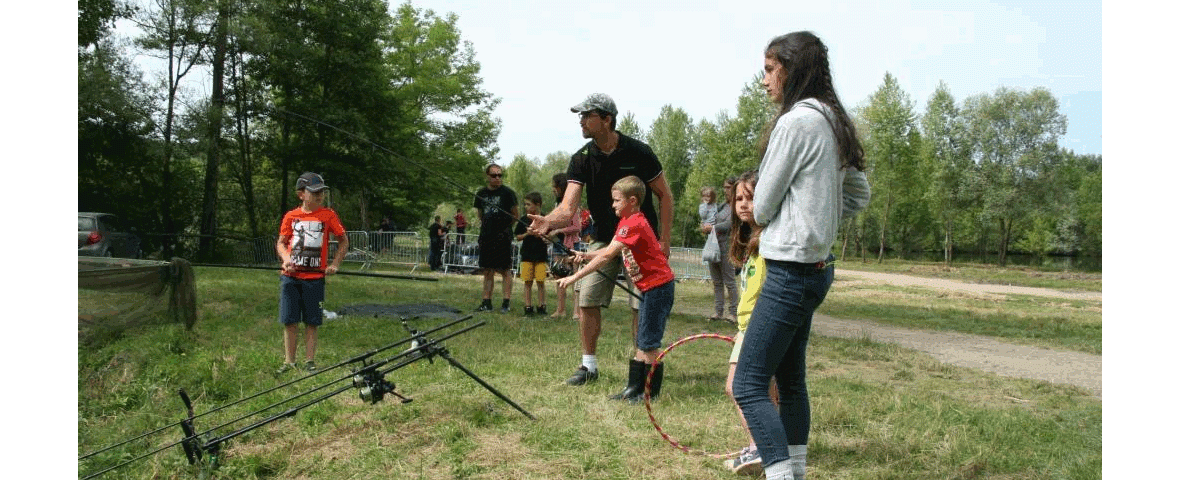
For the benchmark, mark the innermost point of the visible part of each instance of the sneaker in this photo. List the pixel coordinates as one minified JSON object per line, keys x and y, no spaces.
{"x":582,"y":376}
{"x":528,"y":311}
{"x":541,"y":310}
{"x":309,"y":366}
{"x":749,"y":462}
{"x":285,"y":368}
{"x":484,"y":307}
{"x":504,"y":306}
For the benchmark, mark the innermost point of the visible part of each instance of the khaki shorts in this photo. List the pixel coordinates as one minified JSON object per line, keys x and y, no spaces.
{"x":597,"y":290}
{"x":737,"y":346}
{"x":530,"y":271}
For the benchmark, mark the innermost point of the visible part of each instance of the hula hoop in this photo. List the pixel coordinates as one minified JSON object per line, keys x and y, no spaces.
{"x":647,"y":396}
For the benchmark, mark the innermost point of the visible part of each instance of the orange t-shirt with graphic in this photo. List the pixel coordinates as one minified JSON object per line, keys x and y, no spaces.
{"x":308,"y":240}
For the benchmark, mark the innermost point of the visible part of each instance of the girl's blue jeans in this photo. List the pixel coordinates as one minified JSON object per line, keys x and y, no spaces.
{"x":776,"y":346}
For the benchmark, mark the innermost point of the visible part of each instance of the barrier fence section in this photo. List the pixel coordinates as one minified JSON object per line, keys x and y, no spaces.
{"x":387,"y":248}
{"x":461,"y":254}
{"x":686,"y":263}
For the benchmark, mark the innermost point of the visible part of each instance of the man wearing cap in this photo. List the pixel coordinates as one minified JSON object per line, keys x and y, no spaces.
{"x":606,"y":158}
{"x":303,"y":248}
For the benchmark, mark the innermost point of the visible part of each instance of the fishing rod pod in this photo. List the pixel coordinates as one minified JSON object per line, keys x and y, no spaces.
{"x":368,"y":380}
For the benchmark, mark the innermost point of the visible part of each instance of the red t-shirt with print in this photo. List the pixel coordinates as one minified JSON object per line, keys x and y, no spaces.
{"x":643,"y":259}
{"x":308,"y":240}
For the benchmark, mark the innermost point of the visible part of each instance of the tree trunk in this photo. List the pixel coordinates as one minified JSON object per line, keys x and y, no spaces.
{"x":213,"y":164}
{"x":884,"y":225}
{"x":242,"y":123}
{"x":1005,"y":237}
{"x":284,"y":168}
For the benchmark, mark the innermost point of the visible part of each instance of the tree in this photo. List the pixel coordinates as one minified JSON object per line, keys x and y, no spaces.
{"x":1011,"y":133}
{"x":725,"y":147}
{"x":947,"y":163}
{"x":891,"y":143}
{"x":220,"y":34}
{"x":673,"y":139}
{"x":175,"y":32}
{"x":96,"y":17}
{"x":627,"y":125}
{"x":522,"y":176}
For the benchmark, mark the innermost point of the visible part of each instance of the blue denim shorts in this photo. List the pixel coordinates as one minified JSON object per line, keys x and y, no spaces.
{"x":654,"y":309}
{"x":301,"y":301}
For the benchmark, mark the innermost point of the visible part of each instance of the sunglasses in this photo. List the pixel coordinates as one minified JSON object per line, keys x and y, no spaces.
{"x":585,"y":115}
{"x":495,"y":175}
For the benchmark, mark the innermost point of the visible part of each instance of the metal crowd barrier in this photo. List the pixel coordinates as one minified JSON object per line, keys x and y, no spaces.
{"x":686,"y":264}
{"x":387,"y":248}
{"x":461,"y":254}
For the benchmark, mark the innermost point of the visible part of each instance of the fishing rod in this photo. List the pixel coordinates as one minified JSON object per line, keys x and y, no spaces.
{"x":461,"y":188}
{"x":338,"y":272}
{"x":359,"y":358}
{"x":369,"y":380}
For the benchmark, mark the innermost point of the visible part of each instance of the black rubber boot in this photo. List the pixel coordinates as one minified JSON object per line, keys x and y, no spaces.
{"x":636,"y":375}
{"x":657,"y":381}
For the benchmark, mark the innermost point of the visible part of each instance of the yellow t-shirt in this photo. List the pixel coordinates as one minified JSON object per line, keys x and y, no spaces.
{"x":753,"y":274}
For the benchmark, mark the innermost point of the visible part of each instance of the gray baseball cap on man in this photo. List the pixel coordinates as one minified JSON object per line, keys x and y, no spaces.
{"x":596,"y":101}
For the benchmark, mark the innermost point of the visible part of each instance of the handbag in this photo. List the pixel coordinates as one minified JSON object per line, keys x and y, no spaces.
{"x":712,"y":251}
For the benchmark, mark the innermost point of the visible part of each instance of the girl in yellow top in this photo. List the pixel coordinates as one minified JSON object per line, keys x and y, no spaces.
{"x":743,"y":250}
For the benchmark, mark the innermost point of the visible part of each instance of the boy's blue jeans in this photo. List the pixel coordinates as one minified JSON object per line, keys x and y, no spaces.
{"x":775,"y":345}
{"x":654,"y":308}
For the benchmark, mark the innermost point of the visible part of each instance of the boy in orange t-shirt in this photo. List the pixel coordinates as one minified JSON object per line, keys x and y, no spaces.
{"x":303,"y":247}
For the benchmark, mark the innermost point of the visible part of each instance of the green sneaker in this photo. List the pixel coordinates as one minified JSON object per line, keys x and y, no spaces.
{"x":285,"y":368}
{"x":309,"y":366}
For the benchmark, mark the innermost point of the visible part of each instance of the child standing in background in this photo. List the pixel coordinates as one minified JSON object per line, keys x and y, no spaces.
{"x":534,"y":258}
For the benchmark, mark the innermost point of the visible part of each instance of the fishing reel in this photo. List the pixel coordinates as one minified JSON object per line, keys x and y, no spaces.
{"x":373,"y":386}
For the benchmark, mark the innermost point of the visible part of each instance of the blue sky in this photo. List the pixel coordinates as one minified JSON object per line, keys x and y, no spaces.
{"x":540,"y":57}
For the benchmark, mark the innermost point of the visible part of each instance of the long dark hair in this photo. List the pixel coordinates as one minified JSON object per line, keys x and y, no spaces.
{"x":560,"y":181}
{"x":805,"y":59}
{"x":743,"y":239}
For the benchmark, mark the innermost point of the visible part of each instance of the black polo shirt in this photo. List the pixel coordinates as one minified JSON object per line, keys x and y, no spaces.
{"x":597,"y":172}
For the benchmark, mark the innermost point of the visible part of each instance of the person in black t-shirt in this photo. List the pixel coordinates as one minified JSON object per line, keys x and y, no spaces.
{"x":534,"y":258}
{"x":606,"y":158}
{"x":497,"y":210}
{"x":436,"y":243}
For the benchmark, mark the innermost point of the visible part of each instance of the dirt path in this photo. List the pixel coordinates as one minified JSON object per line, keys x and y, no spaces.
{"x":973,"y":351}
{"x":939,"y":283}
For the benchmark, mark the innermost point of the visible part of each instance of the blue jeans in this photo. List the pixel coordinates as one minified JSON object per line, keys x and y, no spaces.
{"x":775,"y":345}
{"x":654,"y":308}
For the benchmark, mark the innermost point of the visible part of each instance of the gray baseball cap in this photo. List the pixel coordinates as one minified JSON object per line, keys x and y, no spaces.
{"x":313,"y":182}
{"x":596,"y":101}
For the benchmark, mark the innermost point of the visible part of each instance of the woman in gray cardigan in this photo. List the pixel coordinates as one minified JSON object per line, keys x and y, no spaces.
{"x":810,"y":176}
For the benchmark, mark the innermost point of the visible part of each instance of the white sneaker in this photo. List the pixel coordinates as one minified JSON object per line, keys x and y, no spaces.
{"x":747,"y":463}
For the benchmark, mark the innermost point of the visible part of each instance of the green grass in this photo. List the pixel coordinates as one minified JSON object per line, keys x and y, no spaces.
{"x":982,"y":273}
{"x":1042,"y":321}
{"x":879,"y":411}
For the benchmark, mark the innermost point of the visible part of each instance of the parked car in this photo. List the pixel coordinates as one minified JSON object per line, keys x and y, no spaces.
{"x":104,"y":235}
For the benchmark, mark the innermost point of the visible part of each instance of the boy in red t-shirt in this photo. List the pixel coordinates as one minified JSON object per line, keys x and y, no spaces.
{"x":644,"y":261}
{"x":303,"y":247}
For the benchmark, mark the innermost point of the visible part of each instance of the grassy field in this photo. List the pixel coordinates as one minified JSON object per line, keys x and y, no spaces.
{"x":879,"y":411}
